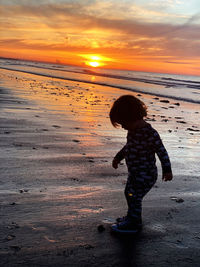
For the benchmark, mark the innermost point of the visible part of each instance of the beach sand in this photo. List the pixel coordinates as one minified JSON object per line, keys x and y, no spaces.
{"x":57,"y":184}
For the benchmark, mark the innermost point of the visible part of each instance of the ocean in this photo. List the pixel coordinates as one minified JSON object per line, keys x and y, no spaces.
{"x":177,"y":87}
{"x":57,"y":184}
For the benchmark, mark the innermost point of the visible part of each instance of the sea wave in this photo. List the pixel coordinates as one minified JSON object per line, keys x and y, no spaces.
{"x":164,"y":81}
{"x":154,"y":84}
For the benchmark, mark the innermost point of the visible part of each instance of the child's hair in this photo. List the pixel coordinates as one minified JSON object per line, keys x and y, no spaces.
{"x":127,"y":108}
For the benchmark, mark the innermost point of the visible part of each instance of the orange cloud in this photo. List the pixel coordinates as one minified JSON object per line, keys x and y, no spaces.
{"x":65,"y":31}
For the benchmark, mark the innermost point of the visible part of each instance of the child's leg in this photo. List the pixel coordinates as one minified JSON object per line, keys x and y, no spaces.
{"x":136,"y":189}
{"x":134,"y":192}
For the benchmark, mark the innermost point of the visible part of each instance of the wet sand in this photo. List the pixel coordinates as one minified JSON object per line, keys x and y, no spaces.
{"x":57,"y":184}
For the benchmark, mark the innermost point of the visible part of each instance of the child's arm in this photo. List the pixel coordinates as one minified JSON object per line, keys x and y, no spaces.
{"x":163,"y":157}
{"x":119,"y":156}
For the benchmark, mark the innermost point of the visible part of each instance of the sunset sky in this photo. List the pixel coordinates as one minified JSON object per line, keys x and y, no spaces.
{"x":143,"y":35}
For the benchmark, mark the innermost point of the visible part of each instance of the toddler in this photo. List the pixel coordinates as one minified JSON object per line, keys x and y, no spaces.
{"x":143,"y":142}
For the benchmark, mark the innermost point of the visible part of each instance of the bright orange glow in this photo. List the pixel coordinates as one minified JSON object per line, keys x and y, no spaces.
{"x":94,"y":60}
{"x":93,"y":64}
{"x":102,"y":35}
{"x":95,"y":57}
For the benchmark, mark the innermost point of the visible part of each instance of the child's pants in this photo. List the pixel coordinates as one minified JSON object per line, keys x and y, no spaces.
{"x":135,"y":191}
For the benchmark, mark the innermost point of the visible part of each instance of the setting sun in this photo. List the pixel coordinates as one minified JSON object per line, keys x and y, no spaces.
{"x":94,"y":60}
{"x":93,"y":64}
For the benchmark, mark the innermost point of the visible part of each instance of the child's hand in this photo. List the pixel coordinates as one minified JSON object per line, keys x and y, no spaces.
{"x":167,"y":176}
{"x":115,"y":163}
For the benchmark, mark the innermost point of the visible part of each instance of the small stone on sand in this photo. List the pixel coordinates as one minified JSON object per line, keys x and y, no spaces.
{"x":164,"y":101}
{"x":100,"y":228}
{"x":75,"y":140}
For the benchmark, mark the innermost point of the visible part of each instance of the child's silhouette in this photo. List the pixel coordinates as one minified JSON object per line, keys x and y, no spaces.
{"x":143,"y":142}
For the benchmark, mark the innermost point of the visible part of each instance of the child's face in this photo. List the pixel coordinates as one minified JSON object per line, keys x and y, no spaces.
{"x":132,"y":125}
{"x":128,"y":125}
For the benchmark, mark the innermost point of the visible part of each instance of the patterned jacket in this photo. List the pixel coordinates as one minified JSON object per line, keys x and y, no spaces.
{"x":139,"y":153}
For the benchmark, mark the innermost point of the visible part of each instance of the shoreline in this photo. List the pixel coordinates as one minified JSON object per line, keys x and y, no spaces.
{"x":57,"y":185}
{"x":126,"y":88}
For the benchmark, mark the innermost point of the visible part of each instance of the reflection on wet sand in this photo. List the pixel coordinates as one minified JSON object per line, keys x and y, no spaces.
{"x":57,"y":185}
